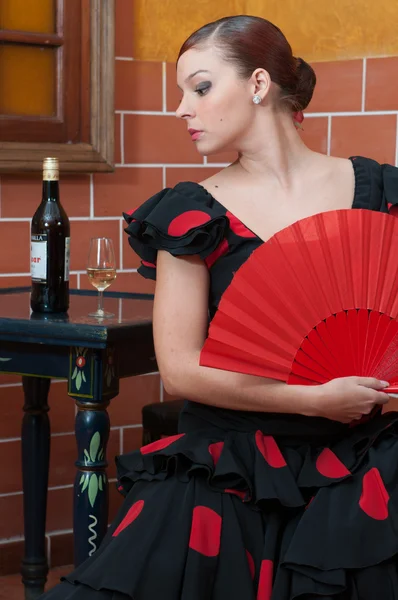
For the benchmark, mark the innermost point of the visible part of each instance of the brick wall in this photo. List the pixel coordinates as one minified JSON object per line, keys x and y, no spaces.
{"x":354,"y":111}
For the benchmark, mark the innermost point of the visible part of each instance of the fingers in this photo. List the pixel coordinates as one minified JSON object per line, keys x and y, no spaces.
{"x":382,"y":398}
{"x":371,"y":382}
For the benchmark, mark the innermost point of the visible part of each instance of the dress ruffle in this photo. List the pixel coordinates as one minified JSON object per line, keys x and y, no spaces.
{"x":182,"y":220}
{"x":248,"y":515}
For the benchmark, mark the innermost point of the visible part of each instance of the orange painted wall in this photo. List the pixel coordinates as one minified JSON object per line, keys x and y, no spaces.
{"x":317,"y":29}
{"x":354,"y":111}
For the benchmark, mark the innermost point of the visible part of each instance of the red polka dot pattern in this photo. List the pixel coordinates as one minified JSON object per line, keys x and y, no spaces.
{"x":221,"y":250}
{"x":215,"y":451}
{"x":252,"y":567}
{"x":148,"y":264}
{"x":239,"y":493}
{"x":265,"y":582}
{"x":330,"y":466}
{"x":186,"y":221}
{"x":205,"y":531}
{"x":374,"y":498}
{"x":132,"y":514}
{"x":270,"y":450}
{"x":161,"y":444}
{"x":238,"y":227}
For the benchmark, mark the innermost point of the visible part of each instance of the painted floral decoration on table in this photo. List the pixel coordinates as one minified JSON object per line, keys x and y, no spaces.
{"x":80,"y":363}
{"x":94,"y":481}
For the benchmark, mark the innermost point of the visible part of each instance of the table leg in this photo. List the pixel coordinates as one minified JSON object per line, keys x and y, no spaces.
{"x":91,"y":483}
{"x":35,"y":465}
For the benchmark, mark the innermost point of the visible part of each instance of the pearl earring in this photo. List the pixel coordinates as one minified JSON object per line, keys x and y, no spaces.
{"x":256,"y":99}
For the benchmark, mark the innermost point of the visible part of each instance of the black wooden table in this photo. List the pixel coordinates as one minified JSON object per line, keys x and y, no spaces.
{"x":92,"y":355}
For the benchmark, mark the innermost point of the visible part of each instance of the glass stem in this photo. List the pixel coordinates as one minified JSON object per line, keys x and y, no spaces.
{"x":100,"y":301}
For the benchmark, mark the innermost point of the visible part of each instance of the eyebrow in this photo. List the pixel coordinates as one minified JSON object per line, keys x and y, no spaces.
{"x":192,"y":75}
{"x":196,"y":72}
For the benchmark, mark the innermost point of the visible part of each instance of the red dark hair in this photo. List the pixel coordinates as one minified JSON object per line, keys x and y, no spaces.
{"x":251,"y":43}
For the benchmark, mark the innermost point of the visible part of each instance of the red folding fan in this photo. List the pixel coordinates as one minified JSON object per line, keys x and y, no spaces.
{"x":318,"y":300}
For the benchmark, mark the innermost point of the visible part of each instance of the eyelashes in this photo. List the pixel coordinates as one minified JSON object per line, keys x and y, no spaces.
{"x":203,"y":88}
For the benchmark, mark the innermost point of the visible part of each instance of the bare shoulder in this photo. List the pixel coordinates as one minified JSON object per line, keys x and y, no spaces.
{"x":214,"y":181}
{"x":334,"y":164}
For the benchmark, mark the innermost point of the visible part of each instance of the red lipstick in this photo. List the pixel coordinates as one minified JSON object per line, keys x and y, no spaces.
{"x":195,"y":134}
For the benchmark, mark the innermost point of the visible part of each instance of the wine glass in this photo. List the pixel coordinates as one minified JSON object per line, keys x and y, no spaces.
{"x":101,"y":270}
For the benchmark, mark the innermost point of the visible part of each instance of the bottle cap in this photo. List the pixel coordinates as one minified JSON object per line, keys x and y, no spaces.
{"x":50,"y":169}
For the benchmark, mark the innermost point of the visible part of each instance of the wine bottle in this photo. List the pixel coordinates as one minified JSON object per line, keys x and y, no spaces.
{"x":50,"y":247}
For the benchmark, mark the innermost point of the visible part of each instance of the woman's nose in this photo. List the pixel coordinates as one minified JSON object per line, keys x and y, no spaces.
{"x":184,"y":111}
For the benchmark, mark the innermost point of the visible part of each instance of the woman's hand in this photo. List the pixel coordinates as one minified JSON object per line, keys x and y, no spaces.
{"x":347,"y":399}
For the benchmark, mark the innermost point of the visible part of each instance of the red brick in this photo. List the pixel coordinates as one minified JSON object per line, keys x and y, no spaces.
{"x":124,"y":21}
{"x":125,"y":189}
{"x":131,"y":260}
{"x":118,"y":139}
{"x":157,"y":139}
{"x":197,"y":174}
{"x":11,"y":554}
{"x":82,"y":231}
{"x":132,"y":439}
{"x":381,"y":84}
{"x":61,"y":549}
{"x":21,"y":195}
{"x":17,"y":261}
{"x":60,"y":509}
{"x":62,"y":410}
{"x":315,"y":134}
{"x":138,"y":85}
{"x":11,"y":512}
{"x":373,"y":136}
{"x":135,"y":392}
{"x":338,"y":87}
{"x":10,"y":467}
{"x":173,"y":94}
{"x":18,"y":281}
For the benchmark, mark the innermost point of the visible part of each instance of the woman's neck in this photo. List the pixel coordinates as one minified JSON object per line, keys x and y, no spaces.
{"x":273,"y":149}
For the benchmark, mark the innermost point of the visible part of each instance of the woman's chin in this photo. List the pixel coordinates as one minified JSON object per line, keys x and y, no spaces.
{"x":208,"y":150}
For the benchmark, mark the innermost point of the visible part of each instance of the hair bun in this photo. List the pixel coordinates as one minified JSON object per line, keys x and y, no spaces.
{"x":306,"y":81}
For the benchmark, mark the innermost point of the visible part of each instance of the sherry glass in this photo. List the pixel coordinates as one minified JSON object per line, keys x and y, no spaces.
{"x":101,"y":270}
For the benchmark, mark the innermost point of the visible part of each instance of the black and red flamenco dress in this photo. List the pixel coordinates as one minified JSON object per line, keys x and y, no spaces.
{"x":248,"y":506}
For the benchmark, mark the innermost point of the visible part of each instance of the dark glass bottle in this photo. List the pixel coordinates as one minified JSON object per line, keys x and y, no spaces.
{"x":50,"y":247}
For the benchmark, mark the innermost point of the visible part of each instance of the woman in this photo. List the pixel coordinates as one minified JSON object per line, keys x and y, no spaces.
{"x":268,"y":491}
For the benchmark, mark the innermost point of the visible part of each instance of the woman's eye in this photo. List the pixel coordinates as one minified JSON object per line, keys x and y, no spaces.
{"x":202,"y":90}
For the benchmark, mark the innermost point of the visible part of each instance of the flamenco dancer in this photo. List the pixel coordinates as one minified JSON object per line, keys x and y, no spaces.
{"x":270,"y":491}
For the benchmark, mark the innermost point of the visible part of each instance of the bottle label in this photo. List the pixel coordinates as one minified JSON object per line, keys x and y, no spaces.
{"x":67,"y":258}
{"x":38,"y":257}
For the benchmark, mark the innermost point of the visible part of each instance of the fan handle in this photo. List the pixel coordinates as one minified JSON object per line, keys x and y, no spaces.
{"x":391,"y":390}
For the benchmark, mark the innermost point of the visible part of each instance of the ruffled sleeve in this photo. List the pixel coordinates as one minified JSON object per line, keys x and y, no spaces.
{"x":183,"y":220}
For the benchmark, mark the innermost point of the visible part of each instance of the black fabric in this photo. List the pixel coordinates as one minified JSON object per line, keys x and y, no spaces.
{"x":250,"y":506}
{"x":161,"y":418}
